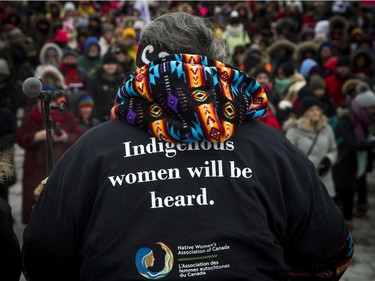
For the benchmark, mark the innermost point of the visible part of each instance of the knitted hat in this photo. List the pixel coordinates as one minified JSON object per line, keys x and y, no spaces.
{"x":321,"y":27}
{"x":305,"y":92}
{"x":129,"y":32}
{"x":15,"y":32}
{"x":309,"y":101}
{"x":4,"y":68}
{"x":356,"y":31}
{"x":69,"y":6}
{"x":121,"y":48}
{"x":316,"y":82}
{"x":138,"y":25}
{"x":109,"y":58}
{"x":69,"y":52}
{"x":85,"y":101}
{"x":366,"y":99}
{"x":61,"y":36}
{"x":325,"y":44}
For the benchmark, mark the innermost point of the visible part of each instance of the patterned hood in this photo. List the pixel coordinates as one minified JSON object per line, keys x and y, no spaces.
{"x":188,"y":98}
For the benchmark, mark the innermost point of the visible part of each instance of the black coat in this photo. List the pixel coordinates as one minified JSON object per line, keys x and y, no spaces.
{"x":118,"y":193}
{"x":103,"y":90}
{"x":345,"y":169}
{"x":10,"y":254}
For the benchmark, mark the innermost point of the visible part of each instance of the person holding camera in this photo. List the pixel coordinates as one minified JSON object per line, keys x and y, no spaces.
{"x":31,"y":136}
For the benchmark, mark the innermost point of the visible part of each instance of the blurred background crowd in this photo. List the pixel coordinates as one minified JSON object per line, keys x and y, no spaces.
{"x":314,"y":59}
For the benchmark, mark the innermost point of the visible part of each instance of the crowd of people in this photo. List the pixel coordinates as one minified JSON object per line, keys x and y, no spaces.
{"x":294,"y":49}
{"x":314,"y":60}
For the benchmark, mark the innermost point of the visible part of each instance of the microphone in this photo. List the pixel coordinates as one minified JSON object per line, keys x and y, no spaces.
{"x":33,"y":87}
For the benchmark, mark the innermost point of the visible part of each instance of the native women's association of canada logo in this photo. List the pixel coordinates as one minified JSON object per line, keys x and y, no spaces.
{"x":145,"y":258}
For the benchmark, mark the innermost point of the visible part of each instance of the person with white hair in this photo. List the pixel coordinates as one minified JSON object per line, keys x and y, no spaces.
{"x":184,"y":182}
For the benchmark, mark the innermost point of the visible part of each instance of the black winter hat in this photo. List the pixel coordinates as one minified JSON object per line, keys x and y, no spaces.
{"x":109,"y":58}
{"x":121,"y":48}
{"x":308,"y":102}
{"x":68,"y":52}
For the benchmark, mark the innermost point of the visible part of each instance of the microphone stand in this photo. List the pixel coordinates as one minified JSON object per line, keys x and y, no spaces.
{"x":47,"y":121}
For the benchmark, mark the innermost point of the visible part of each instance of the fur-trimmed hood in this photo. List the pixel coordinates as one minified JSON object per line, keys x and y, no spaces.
{"x":304,"y":47}
{"x":369,"y":58}
{"x":48,"y":46}
{"x":274,"y":48}
{"x":52,"y":72}
{"x":338,"y":21}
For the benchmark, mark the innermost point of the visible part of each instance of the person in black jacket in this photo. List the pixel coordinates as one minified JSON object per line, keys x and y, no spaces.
{"x":185,"y":182}
{"x":10,"y":255}
{"x":8,"y":131}
{"x":103,"y":84}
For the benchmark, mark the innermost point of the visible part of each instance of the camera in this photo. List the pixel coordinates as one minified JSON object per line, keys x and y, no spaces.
{"x":57,"y":130}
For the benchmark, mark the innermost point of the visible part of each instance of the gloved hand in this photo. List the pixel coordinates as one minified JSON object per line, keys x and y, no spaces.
{"x":324,"y":166}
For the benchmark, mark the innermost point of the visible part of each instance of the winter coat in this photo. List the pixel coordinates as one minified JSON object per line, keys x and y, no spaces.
{"x":86,"y":126}
{"x":270,"y":119}
{"x":325,"y":146}
{"x":96,"y":204}
{"x":235,"y":37}
{"x":103,"y":89}
{"x":350,"y":148}
{"x":334,"y":88}
{"x":35,"y":164}
{"x":10,"y":255}
{"x":89,"y":63}
{"x":75,"y":76}
{"x":8,"y":130}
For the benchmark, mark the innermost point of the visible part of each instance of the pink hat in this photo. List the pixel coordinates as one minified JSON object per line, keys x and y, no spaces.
{"x":61,"y":36}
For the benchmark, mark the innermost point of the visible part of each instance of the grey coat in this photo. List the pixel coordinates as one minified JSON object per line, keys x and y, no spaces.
{"x":325,"y":146}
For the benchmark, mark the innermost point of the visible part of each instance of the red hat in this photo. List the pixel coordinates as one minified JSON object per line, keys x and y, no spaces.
{"x":61,"y":36}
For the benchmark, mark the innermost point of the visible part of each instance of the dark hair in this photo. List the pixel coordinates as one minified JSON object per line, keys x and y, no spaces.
{"x":288,"y":68}
{"x":259,"y":70}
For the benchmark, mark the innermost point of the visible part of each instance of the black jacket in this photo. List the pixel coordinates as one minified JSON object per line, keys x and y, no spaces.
{"x":121,"y":205}
{"x":10,"y":254}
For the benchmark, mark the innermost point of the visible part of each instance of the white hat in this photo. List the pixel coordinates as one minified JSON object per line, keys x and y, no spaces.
{"x":138,"y":24}
{"x":234,"y":14}
{"x":322,"y":27}
{"x":4,"y":68}
{"x":366,"y":99}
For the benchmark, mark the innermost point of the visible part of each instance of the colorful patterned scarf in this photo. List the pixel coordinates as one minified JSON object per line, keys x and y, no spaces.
{"x":188,"y":98}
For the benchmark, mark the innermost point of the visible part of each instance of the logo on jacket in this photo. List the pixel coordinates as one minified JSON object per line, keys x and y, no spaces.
{"x":144,"y":259}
